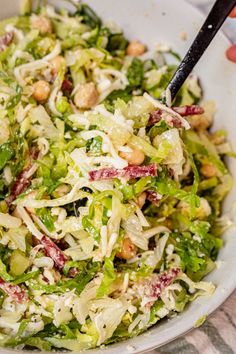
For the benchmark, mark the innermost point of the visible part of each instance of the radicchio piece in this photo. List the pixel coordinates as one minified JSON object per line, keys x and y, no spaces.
{"x":152,"y":288}
{"x":54,"y":252}
{"x":159,"y":114}
{"x":155,"y":117}
{"x":34,"y":153}
{"x":19,"y":187}
{"x":153,"y":197}
{"x":171,"y":172}
{"x":127,"y":172}
{"x":174,"y":122}
{"x":73,"y":272}
{"x":67,"y":86}
{"x":171,"y":120}
{"x":6,"y":40}
{"x":23,"y":179}
{"x":188,"y":110}
{"x":45,"y":279}
{"x":14,"y":291}
{"x":140,"y":171}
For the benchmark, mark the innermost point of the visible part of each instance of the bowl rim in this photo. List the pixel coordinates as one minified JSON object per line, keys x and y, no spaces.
{"x":124,"y":344}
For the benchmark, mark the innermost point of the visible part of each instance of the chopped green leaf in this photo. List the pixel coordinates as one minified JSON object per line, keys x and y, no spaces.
{"x":109,"y":276}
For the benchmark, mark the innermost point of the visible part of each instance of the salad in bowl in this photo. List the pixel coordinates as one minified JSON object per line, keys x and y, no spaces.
{"x":110,"y":196}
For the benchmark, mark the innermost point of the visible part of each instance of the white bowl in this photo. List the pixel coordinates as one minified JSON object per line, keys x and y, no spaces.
{"x":154,"y":21}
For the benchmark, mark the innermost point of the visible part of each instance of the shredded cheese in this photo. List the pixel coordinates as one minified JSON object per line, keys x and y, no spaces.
{"x":73,"y":195}
{"x":28,"y":222}
{"x":103,"y":233}
{"x":111,"y":243}
{"x":10,"y":222}
{"x":21,"y":70}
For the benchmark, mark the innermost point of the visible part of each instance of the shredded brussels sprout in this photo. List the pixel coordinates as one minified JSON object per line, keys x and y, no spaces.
{"x":109,"y":200}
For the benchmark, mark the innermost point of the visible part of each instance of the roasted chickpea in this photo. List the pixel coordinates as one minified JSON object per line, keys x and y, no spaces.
{"x":199,"y":122}
{"x":141,"y":199}
{"x":135,"y":48}
{"x":57,"y":63}
{"x":41,"y":23}
{"x":208,"y":170}
{"x":135,"y":157}
{"x":41,"y":91}
{"x":128,"y":249}
{"x":86,"y":96}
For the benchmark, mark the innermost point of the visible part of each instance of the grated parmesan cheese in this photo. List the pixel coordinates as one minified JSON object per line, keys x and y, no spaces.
{"x":111,"y":243}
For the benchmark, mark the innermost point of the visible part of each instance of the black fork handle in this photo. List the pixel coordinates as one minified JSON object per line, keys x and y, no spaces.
{"x":214,"y":21}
